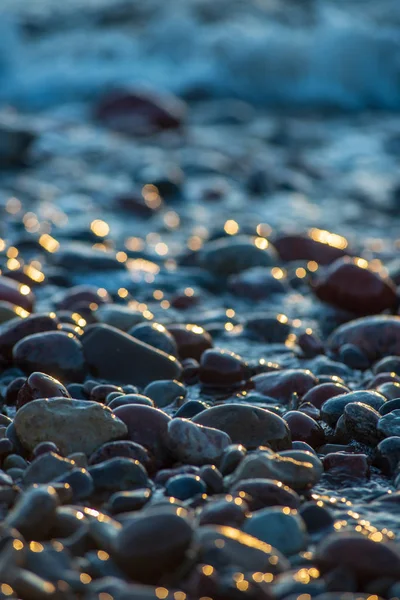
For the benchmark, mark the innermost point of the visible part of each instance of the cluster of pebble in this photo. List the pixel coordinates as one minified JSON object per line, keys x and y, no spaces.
{"x":142,"y":458}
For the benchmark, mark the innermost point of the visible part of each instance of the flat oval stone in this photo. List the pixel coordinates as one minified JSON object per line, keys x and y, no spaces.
{"x":73,"y":425}
{"x":266,"y":492}
{"x":292,"y":247}
{"x":248,"y":425}
{"x":350,"y":285}
{"x":17,"y":329}
{"x":284,"y":529}
{"x":152,"y":545}
{"x":361,"y":422}
{"x":221,"y":368}
{"x":80,"y":295}
{"x":303,"y":428}
{"x":389,"y":425}
{"x":119,"y":449}
{"x":118,"y":474}
{"x":323,"y":392}
{"x":333,"y":408}
{"x":185,"y":486}
{"x":39,"y":385}
{"x":300,"y":470}
{"x":129,"y":501}
{"x":130,"y":399}
{"x":194,"y":444}
{"x":34,"y":513}
{"x":119,"y":316}
{"x":219,"y":546}
{"x":164,"y":392}
{"x":118,"y":357}
{"x":375,"y":336}
{"x":13,"y":292}
{"x":231,"y":511}
{"x":366,"y":558}
{"x":148,"y":427}
{"x":282,"y":384}
{"x":229,"y":255}
{"x":192,"y":340}
{"x":56,"y":353}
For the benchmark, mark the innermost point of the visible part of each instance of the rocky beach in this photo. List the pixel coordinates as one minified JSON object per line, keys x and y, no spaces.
{"x":199,"y":300}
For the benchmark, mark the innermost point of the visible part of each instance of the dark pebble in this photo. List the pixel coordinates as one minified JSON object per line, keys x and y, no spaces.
{"x":155,"y":335}
{"x":389,"y":406}
{"x":184,"y":487}
{"x":191,"y":340}
{"x":266,"y":492}
{"x":221,"y":368}
{"x":40,"y":385}
{"x":303,"y":428}
{"x":190,"y":409}
{"x":118,"y":474}
{"x":120,"y":449}
{"x":16,"y":330}
{"x":283,"y":384}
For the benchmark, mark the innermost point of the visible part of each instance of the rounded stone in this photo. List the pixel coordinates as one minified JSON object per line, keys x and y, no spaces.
{"x":308,"y":246}
{"x":266,"y":492}
{"x":120,"y":449}
{"x":248,"y":425}
{"x":323,"y":392}
{"x":192,"y":340}
{"x":389,"y":425}
{"x":388,"y":364}
{"x":130,"y":399}
{"x":283,"y":384}
{"x":152,"y":545}
{"x":388,"y":455}
{"x":56,"y":353}
{"x":230,"y":511}
{"x":316,"y":518}
{"x":13,"y":292}
{"x":389,"y":406}
{"x":191,"y":443}
{"x":283,"y":528}
{"x":148,"y":427}
{"x":118,"y":474}
{"x":333,"y":408}
{"x":164,"y":392}
{"x":221,"y":368}
{"x":361,"y":422}
{"x":156,"y":335}
{"x":257,"y":283}
{"x":190,"y":409}
{"x":346,"y":466}
{"x":39,"y":385}
{"x":184,"y":487}
{"x":73,"y":425}
{"x":303,"y":428}
{"x":17,"y":329}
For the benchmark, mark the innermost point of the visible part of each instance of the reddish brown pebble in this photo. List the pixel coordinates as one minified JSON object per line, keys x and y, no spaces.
{"x":191,"y":340}
{"x":304,"y":429}
{"x":322,"y":392}
{"x":283,"y":384}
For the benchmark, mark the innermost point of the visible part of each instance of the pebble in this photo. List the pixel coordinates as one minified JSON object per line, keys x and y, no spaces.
{"x":248,"y":425}
{"x":34,"y":513}
{"x":155,"y":335}
{"x":389,"y":364}
{"x":221,"y":368}
{"x":118,"y":474}
{"x":53,"y":420}
{"x":283,"y":384}
{"x":139,"y":111}
{"x":81,"y":483}
{"x":333,"y":408}
{"x":13,"y":292}
{"x":361,"y":422}
{"x":389,"y":425}
{"x":129,"y":501}
{"x":283,"y":528}
{"x":230,"y":511}
{"x":391,"y":391}
{"x":376,"y":336}
{"x":364,"y":557}
{"x":192,"y":340}
{"x":316,"y":518}
{"x":127,"y":360}
{"x":323,"y":392}
{"x":388,"y":455}
{"x":272,"y":329}
{"x":300,"y":470}
{"x":119,"y":316}
{"x":46,"y":468}
{"x":153,"y":545}
{"x":390,"y":406}
{"x":294,"y":247}
{"x":39,"y":385}
{"x":226,"y":256}
{"x":130,"y":399}
{"x":184,"y":487}
{"x":120,"y":448}
{"x":348,"y":283}
{"x":304,"y":428}
{"x":190,"y":409}
{"x":17,"y":329}
{"x":347,"y":466}
{"x":265,"y":492}
{"x":148,"y":427}
{"x":164,"y":392}
{"x":195,"y":444}
{"x":353,"y":357}
{"x":257,"y":283}
{"x":55,"y":353}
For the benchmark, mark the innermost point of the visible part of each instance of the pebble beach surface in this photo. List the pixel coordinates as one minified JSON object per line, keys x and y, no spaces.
{"x":199,"y":348}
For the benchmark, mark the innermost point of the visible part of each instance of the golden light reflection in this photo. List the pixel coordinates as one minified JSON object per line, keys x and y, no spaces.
{"x":49,"y":243}
{"x":121,"y":257}
{"x":2,"y":245}
{"x":361,"y":262}
{"x":231,"y":227}
{"x":230,"y":313}
{"x":13,"y":264}
{"x":123,"y":292}
{"x":263,"y":229}
{"x":102,"y":292}
{"x":326,"y":237}
{"x":161,"y":593}
{"x":194,"y":243}
{"x":100,"y":228}
{"x":6,"y":589}
{"x":165,"y":304}
{"x":134,"y":244}
{"x":282,"y":318}
{"x":301,"y":273}
{"x":85,"y":578}
{"x":172,"y":219}
{"x":158,"y":295}
{"x":151,"y":196}
{"x":278,"y":273}
{"x":312,"y":266}
{"x":189,"y":292}
{"x":207,"y":570}
{"x":13,"y":206}
{"x":12,"y":252}
{"x":21,"y":312}
{"x":261,"y":243}
{"x":33,"y":273}
{"x":161,"y":248}
{"x":36,"y":547}
{"x":141,"y":264}
{"x":24,"y":290}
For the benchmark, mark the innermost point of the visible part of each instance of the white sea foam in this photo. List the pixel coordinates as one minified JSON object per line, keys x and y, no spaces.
{"x":341,"y":57}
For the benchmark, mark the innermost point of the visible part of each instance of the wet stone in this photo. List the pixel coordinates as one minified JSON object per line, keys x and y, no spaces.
{"x":346,"y":466}
{"x":34,"y":513}
{"x":266,"y":492}
{"x":391,"y":391}
{"x":388,"y":455}
{"x":80,"y":482}
{"x":334,"y":408}
{"x":13,"y":292}
{"x":99,"y":393}
{"x":389,"y":364}
{"x":283,"y":528}
{"x":390,"y":406}
{"x":129,"y":501}
{"x":221,"y":368}
{"x":228,"y":511}
{"x":184,"y":487}
{"x":353,"y":357}
{"x":213,"y":479}
{"x":129,"y":361}
{"x":256,"y":283}
{"x":118,"y":474}
{"x":316,"y":518}
{"x":164,"y":392}
{"x":195,"y":444}
{"x":247,"y":425}
{"x":152,"y":545}
{"x":389,"y":425}
{"x":46,"y":468}
{"x":304,"y":428}
{"x":282,"y":384}
{"x":361,"y":421}
{"x":40,"y":385}
{"x":294,"y":247}
{"x":17,"y":329}
{"x":231,"y":457}
{"x":53,"y":420}
{"x":270,"y":329}
{"x":54,"y":353}
{"x":192,"y":340}
{"x":190,"y":409}
{"x":156,"y":335}
{"x":120,"y":448}
{"x":130,"y":399}
{"x":323,"y":392}
{"x":226,"y":256}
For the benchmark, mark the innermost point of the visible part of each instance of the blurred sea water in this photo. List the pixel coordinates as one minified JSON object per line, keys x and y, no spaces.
{"x":331,"y":53}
